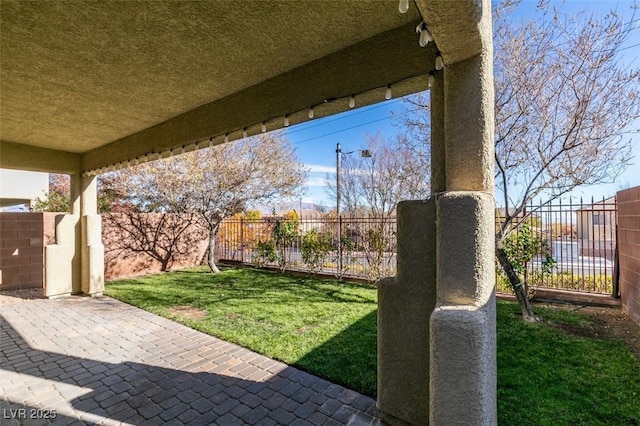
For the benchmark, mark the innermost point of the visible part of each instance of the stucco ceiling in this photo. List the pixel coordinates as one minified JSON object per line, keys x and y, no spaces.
{"x":86,"y":84}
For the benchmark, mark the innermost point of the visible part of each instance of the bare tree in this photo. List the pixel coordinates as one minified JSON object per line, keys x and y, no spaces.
{"x":565,"y":104}
{"x":564,"y":100}
{"x":161,"y":236}
{"x":374,"y":186}
{"x":216,"y":183}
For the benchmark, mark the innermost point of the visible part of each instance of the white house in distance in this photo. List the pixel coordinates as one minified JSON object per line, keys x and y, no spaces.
{"x":596,"y":228}
{"x":18,"y":189}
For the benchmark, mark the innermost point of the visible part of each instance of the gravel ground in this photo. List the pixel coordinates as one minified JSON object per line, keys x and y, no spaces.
{"x":18,"y":296}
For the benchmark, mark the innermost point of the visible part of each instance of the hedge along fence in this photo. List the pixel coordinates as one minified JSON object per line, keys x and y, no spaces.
{"x":365,"y":248}
{"x":549,"y":247}
{"x":362,"y":247}
{"x":345,"y":247}
{"x":566,"y":246}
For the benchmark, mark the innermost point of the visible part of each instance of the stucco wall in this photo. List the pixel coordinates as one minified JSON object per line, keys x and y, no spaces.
{"x":23,"y":237}
{"x":629,"y":250}
{"x":120,"y":262}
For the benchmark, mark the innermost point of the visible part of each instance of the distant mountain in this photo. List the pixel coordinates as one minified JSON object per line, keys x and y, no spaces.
{"x":302,"y":208}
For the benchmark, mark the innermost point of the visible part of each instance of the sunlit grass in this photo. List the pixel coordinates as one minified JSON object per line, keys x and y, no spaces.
{"x":545,"y":375}
{"x":318,"y":325}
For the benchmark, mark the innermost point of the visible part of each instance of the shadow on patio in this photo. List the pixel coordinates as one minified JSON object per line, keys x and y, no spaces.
{"x":216,"y":383}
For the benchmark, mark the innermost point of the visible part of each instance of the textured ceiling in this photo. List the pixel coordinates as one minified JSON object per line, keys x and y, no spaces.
{"x":106,"y":79}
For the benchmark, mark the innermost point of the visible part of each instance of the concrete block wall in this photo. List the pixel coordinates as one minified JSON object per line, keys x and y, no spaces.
{"x":189,"y":250}
{"x":21,"y":250}
{"x":629,"y":250}
{"x":24,"y":236}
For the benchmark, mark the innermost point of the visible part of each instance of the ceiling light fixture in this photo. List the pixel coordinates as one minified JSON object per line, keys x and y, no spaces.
{"x":425,"y":35}
{"x":439,"y":62}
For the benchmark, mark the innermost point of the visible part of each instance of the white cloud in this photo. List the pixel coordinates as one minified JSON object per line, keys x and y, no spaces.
{"x":317,"y":168}
{"x":316,"y":182}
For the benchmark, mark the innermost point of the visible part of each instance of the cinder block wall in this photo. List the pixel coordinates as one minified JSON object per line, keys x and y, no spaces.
{"x":23,"y":237}
{"x":119,"y":263}
{"x":21,"y":250}
{"x":629,"y":250}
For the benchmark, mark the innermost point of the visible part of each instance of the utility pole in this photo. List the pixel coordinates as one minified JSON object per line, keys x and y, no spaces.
{"x":365,"y":153}
{"x":338,"y":171}
{"x":338,"y":218}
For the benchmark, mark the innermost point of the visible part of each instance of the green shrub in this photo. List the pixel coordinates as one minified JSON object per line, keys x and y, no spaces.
{"x":265,"y":253}
{"x":522,"y":246}
{"x":314,"y":248}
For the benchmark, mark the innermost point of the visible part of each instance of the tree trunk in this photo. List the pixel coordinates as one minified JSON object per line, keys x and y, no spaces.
{"x":164,"y":264}
{"x":211,"y":260}
{"x":516,"y":284}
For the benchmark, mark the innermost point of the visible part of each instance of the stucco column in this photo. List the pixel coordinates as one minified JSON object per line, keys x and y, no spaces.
{"x":92,"y":250}
{"x":405,"y":304}
{"x":463,"y":324}
{"x":438,"y":157}
{"x":63,"y":259}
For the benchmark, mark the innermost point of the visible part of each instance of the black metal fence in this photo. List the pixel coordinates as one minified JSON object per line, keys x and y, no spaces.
{"x":358,"y":247}
{"x":576,"y":244}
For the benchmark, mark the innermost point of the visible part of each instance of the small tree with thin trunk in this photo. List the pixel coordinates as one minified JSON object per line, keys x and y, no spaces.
{"x":215,"y":183}
{"x":565,"y":102}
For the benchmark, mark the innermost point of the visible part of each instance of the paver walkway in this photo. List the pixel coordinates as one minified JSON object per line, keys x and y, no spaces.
{"x":100,"y":361}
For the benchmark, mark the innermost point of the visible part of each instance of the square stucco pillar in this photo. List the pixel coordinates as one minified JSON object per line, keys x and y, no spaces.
{"x":63,"y":259}
{"x":405,"y":304}
{"x":463,"y":325}
{"x":91,"y":248}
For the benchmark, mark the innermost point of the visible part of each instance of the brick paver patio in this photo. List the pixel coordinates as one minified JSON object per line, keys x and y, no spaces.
{"x":100,"y":361}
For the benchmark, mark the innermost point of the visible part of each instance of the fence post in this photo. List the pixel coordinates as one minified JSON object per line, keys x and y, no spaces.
{"x":241,"y":240}
{"x":339,"y":247}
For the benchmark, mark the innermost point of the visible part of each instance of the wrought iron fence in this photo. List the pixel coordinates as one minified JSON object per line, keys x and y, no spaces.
{"x":576,"y":241}
{"x":357,"y":247}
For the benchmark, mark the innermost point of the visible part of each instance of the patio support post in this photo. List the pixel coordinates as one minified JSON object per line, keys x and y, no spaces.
{"x":438,"y":157}
{"x":449,"y":285}
{"x":463,"y":324}
{"x":92,"y":250}
{"x":406,"y":302}
{"x":75,"y":263}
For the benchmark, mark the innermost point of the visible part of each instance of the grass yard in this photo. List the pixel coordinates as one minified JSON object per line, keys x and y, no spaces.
{"x":548,"y":373}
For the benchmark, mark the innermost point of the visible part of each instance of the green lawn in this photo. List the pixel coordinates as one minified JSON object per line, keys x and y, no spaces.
{"x":545,"y":376}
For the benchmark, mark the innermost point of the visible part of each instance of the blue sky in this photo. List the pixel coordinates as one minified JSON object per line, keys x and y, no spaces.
{"x":315,"y":141}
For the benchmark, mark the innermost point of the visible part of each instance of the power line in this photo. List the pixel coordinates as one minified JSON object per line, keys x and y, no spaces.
{"x":342,"y":130}
{"x":303,"y":127}
{"x":349,"y":114}
{"x":629,"y":47}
